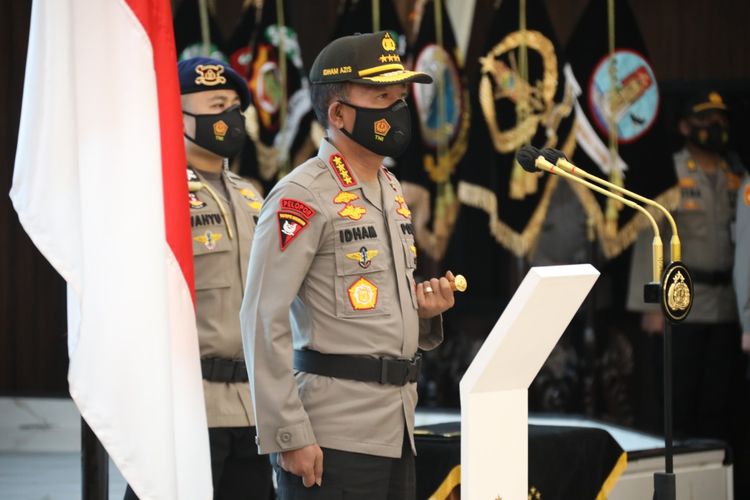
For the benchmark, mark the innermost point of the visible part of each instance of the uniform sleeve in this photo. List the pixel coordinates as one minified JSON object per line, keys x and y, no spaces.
{"x":430,"y":332}
{"x":280,"y":258}
{"x":742,"y":256}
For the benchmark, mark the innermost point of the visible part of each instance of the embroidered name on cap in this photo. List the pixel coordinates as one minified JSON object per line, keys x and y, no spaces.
{"x":342,"y":170}
{"x":293,"y":217}
{"x":210,"y":74}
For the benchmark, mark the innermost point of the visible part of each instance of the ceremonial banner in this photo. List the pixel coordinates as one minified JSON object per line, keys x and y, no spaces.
{"x":618,"y":92}
{"x":441,"y":125}
{"x":99,"y":186}
{"x":280,"y":94}
{"x":233,"y":47}
{"x":521,"y":97}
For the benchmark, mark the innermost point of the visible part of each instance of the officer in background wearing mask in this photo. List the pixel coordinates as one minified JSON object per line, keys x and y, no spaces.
{"x":332,"y":318}
{"x":223,"y":211}
{"x":706,"y":346}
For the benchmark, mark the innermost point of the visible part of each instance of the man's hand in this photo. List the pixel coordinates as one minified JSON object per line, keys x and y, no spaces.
{"x":652,"y":322}
{"x":305,"y":462}
{"x":746,"y":342}
{"x":435,"y":296}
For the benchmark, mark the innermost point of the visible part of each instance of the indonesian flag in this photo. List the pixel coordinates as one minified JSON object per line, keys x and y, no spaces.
{"x":100,"y":187}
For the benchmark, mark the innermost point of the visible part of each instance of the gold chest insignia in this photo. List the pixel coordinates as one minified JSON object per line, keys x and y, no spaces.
{"x":363,"y":294}
{"x":208,"y":239}
{"x":402,"y":209}
{"x":363,"y":257}
{"x":349,"y":211}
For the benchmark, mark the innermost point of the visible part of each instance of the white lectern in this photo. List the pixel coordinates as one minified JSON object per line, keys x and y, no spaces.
{"x":494,"y":403}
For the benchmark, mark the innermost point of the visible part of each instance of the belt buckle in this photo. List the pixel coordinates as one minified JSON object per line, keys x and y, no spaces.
{"x":412,"y":369}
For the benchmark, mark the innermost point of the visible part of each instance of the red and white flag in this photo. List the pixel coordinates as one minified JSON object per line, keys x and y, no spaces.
{"x":100,"y":187}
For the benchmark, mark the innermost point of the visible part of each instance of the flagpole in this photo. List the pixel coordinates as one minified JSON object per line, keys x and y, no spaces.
{"x":94,"y":466}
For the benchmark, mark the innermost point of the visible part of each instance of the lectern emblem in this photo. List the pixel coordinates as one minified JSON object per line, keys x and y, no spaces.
{"x":677,"y":292}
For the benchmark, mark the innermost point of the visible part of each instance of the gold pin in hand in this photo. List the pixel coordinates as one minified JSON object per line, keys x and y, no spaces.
{"x":459,"y":283}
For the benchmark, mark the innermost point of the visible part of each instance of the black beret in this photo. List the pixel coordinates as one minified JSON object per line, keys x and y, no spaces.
{"x":199,"y":74}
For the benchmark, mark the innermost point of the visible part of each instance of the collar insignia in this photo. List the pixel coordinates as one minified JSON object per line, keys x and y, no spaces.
{"x":341,"y":169}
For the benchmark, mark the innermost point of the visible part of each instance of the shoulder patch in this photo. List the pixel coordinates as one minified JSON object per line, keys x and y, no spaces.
{"x":293,"y":216}
{"x":746,"y":195}
{"x":341,"y":169}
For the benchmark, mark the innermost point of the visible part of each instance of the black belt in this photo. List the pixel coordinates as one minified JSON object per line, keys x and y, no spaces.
{"x":391,"y":371}
{"x":712,"y":277}
{"x":223,"y":370}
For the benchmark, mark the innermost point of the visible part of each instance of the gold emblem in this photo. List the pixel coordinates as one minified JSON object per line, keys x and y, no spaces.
{"x":208,"y":239}
{"x":363,"y":294}
{"x":382,"y":127}
{"x":220,"y":130}
{"x":210,"y":75}
{"x":677,"y":292}
{"x":349,"y":211}
{"x":715,"y":98}
{"x":459,"y":284}
{"x":402,"y":209}
{"x":388,"y":43}
{"x":533,"y":101}
{"x":363,"y":257}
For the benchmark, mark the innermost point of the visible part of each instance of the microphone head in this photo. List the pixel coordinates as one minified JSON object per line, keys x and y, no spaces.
{"x":526,"y":157}
{"x":552,"y":155}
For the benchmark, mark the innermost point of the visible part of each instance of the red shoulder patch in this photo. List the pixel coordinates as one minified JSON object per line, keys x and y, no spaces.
{"x":293,"y":217}
{"x":341,"y":169}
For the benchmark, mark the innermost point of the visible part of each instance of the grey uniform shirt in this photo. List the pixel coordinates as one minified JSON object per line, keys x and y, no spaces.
{"x":221,"y":250}
{"x":705,"y":222}
{"x":332,"y":270}
{"x":742,"y":256}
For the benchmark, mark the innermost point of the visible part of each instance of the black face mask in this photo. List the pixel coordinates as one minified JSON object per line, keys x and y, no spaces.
{"x":384,"y":131}
{"x":713,"y":137}
{"x":222,"y":133}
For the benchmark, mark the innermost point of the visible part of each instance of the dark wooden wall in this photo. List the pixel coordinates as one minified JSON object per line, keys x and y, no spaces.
{"x":687,"y":40}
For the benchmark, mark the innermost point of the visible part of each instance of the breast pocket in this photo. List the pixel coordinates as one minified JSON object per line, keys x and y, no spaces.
{"x":361,"y":279}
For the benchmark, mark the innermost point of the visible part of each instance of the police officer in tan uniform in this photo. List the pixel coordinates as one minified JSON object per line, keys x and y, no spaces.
{"x":332,"y":317}
{"x":706,"y":348}
{"x":223,"y":211}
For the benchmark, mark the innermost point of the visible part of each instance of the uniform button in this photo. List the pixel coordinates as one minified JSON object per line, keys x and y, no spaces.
{"x":286,"y":437}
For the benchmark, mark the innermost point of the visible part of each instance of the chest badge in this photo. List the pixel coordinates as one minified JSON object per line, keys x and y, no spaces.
{"x":402,"y":209}
{"x":208,"y":239}
{"x":195,"y":202}
{"x":251,"y":198}
{"x":363,"y":294}
{"x":349,"y":211}
{"x":363,"y":257}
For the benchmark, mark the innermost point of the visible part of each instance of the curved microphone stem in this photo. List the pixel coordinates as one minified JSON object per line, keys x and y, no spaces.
{"x":658,"y":247}
{"x":675,"y":248}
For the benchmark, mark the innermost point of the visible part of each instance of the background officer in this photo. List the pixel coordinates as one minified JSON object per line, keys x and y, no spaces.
{"x":223,"y":211}
{"x":706,"y":348}
{"x":332,"y":318}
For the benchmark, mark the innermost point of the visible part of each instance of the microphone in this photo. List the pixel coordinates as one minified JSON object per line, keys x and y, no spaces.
{"x":558,"y":158}
{"x":532,"y":160}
